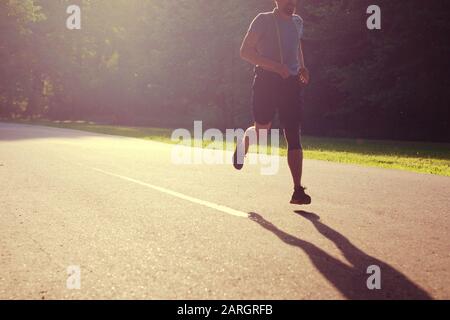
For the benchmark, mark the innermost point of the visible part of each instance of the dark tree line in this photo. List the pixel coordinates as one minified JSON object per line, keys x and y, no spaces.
{"x":168,"y":63}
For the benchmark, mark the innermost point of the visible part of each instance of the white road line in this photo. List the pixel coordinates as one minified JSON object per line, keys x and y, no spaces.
{"x":208,"y":204}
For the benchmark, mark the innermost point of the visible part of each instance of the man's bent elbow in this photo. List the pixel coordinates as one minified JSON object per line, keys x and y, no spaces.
{"x":246,"y":55}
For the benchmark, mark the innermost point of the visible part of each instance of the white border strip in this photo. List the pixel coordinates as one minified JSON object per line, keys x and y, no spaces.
{"x":204,"y":203}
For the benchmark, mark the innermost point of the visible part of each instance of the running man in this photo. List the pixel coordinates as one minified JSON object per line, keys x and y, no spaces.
{"x":273,"y":45}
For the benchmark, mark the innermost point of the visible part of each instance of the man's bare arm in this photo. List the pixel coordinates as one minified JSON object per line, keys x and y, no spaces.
{"x":304,"y":72}
{"x":301,"y":57}
{"x":250,"y":54}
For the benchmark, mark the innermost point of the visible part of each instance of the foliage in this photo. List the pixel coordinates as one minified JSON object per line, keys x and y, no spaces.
{"x":167,"y":63}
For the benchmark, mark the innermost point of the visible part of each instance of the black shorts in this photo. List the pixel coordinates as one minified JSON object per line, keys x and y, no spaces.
{"x":272,"y":93}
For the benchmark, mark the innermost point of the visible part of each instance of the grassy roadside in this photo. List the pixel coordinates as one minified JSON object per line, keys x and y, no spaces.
{"x":432,"y":158}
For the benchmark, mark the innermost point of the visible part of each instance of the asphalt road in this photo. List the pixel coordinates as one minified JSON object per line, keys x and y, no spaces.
{"x":139,"y":226}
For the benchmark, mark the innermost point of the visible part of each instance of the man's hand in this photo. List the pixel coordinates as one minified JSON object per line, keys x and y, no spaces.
{"x":304,"y":76}
{"x":283,"y":71}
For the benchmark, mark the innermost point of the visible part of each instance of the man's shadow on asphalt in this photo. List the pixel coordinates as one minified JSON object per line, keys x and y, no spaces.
{"x":351,"y":281}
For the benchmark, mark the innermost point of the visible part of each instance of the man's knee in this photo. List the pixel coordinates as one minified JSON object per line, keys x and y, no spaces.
{"x":259,"y":126}
{"x":262,"y":129}
{"x":253,"y":134}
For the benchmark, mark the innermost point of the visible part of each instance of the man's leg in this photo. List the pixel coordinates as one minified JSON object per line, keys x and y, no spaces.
{"x":295,"y":162}
{"x":295,"y":153}
{"x":253,"y":132}
{"x":264,"y":96}
{"x":251,"y":136}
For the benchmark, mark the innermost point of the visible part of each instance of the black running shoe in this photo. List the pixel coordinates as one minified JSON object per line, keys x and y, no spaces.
{"x":300,"y":197}
{"x":238,"y":163}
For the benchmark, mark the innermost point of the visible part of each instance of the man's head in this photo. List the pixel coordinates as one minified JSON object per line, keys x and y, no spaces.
{"x":287,"y":6}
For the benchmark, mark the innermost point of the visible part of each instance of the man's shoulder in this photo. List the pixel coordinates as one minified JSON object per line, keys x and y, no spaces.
{"x":264,"y":15}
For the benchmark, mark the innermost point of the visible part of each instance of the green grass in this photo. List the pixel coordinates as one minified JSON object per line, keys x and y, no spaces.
{"x":432,"y":158}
